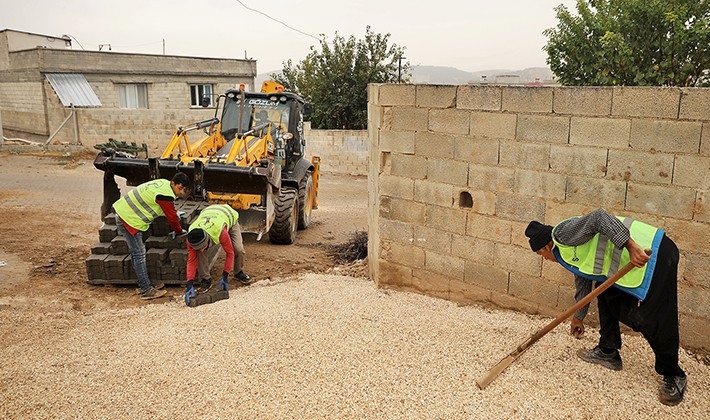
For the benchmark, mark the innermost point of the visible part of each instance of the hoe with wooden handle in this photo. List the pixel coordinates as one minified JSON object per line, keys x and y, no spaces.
{"x":508,"y":360}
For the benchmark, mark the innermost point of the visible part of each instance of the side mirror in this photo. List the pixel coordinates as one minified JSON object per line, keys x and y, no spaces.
{"x":205,"y":101}
{"x":307,"y":109}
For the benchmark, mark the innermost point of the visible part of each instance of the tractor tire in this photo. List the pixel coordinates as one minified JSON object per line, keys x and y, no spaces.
{"x":305,"y":201}
{"x":283,"y":230}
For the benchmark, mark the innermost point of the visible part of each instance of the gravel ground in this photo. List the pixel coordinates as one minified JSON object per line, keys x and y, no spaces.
{"x":318,"y":346}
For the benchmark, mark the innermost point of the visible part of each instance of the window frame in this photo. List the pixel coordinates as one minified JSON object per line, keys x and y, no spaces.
{"x":197,"y":92}
{"x":133,"y":95}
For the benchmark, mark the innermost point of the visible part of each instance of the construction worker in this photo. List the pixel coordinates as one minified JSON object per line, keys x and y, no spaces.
{"x":136,"y":211}
{"x":216,"y":225}
{"x":595,"y":246}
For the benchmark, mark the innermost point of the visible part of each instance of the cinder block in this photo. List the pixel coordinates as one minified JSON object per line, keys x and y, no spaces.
{"x":451,"y":267}
{"x":600,"y":132}
{"x":527,"y":99}
{"x":435,"y":96}
{"x":434,"y":193}
{"x":493,"y":125}
{"x":522,"y":155}
{"x":445,"y":218}
{"x":666,"y":136}
{"x":434,"y":145}
{"x":395,"y":186}
{"x":678,"y":203}
{"x":491,"y":178}
{"x":582,"y":100}
{"x":477,"y":97}
{"x":543,"y":128}
{"x":534,"y":289}
{"x":399,"y":94}
{"x":634,"y":101}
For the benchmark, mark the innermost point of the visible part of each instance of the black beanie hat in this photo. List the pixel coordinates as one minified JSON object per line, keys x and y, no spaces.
{"x":197,"y":239}
{"x":539,"y":234}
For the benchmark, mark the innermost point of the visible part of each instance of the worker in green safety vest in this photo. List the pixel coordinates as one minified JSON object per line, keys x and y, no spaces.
{"x":593,"y":247}
{"x":136,"y":211}
{"x":216,"y":227}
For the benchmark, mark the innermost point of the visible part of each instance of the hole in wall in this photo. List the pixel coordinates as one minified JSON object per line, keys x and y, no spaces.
{"x":465,"y":200}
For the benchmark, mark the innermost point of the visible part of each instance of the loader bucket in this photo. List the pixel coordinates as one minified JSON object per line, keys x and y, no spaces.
{"x":215,"y":177}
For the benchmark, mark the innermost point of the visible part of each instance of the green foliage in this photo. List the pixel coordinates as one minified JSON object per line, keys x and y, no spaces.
{"x":334,"y":79}
{"x":631,"y":43}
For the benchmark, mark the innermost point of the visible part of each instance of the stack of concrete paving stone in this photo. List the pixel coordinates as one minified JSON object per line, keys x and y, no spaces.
{"x":166,"y":258}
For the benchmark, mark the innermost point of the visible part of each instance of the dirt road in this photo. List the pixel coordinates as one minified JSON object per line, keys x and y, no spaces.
{"x":49,"y":219}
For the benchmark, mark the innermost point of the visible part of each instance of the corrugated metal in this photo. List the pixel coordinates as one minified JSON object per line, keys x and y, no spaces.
{"x":73,"y":89}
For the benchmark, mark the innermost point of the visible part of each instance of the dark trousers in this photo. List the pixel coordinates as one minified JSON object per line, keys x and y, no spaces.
{"x":656,"y":317}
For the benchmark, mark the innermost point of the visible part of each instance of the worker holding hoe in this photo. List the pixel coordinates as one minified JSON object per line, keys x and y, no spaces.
{"x":136,"y":211}
{"x":216,"y":225}
{"x":595,"y":246}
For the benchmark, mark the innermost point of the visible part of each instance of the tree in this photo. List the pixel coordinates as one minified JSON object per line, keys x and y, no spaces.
{"x":334,"y":79}
{"x":631,"y":43}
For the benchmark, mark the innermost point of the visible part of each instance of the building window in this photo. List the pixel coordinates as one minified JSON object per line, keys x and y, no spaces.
{"x":197,"y":92}
{"x":133,"y":95}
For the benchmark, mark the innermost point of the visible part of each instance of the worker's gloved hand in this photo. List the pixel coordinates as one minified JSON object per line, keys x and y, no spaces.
{"x":189,"y":291}
{"x":173,"y":235}
{"x":224,"y":281}
{"x":576,"y":328}
{"x":180,"y":214}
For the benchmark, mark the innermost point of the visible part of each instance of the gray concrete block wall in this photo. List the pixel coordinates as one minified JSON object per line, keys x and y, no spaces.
{"x":340,"y":151}
{"x":456,"y":173}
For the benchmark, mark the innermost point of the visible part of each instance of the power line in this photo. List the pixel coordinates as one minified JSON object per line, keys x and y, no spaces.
{"x":276,"y":20}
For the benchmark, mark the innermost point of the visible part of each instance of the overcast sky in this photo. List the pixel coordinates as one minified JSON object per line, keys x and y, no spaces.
{"x":469,"y":35}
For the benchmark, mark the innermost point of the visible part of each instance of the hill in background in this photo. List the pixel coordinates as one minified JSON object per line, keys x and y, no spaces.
{"x":453,"y":76}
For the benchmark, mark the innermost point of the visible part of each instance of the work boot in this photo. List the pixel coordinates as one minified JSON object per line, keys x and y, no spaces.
{"x":596,"y":355}
{"x":205,"y":285}
{"x":153,"y":293}
{"x":243,"y":278}
{"x":671,"y":393}
{"x":157,"y":284}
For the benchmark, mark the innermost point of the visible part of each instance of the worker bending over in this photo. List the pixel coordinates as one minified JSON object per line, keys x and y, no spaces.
{"x":595,"y":246}
{"x":216,"y":225}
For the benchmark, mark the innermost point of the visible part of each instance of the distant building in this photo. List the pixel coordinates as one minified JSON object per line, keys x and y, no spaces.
{"x":48,"y":89}
{"x":508,"y":79}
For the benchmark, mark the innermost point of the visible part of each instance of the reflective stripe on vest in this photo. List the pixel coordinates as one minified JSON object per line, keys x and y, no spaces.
{"x":138,"y":207}
{"x":215,"y":217}
{"x":599,"y":257}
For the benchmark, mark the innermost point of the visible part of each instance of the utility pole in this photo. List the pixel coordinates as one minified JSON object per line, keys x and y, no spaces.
{"x":399,"y":69}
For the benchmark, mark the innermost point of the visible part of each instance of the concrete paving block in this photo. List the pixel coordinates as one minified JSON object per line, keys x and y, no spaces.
{"x":107,"y":232}
{"x":209,"y":297}
{"x":101,"y":248}
{"x":118,"y":245}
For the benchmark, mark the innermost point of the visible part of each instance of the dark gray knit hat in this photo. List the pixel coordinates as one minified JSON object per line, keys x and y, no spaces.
{"x":197,"y":239}
{"x":539,"y":234}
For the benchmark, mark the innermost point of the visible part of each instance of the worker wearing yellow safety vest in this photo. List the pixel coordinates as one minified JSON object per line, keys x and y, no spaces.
{"x":593,"y":247}
{"x":136,"y":211}
{"x":216,"y":225}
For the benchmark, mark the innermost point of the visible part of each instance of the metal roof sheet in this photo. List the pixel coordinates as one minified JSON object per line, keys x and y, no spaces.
{"x":73,"y":89}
